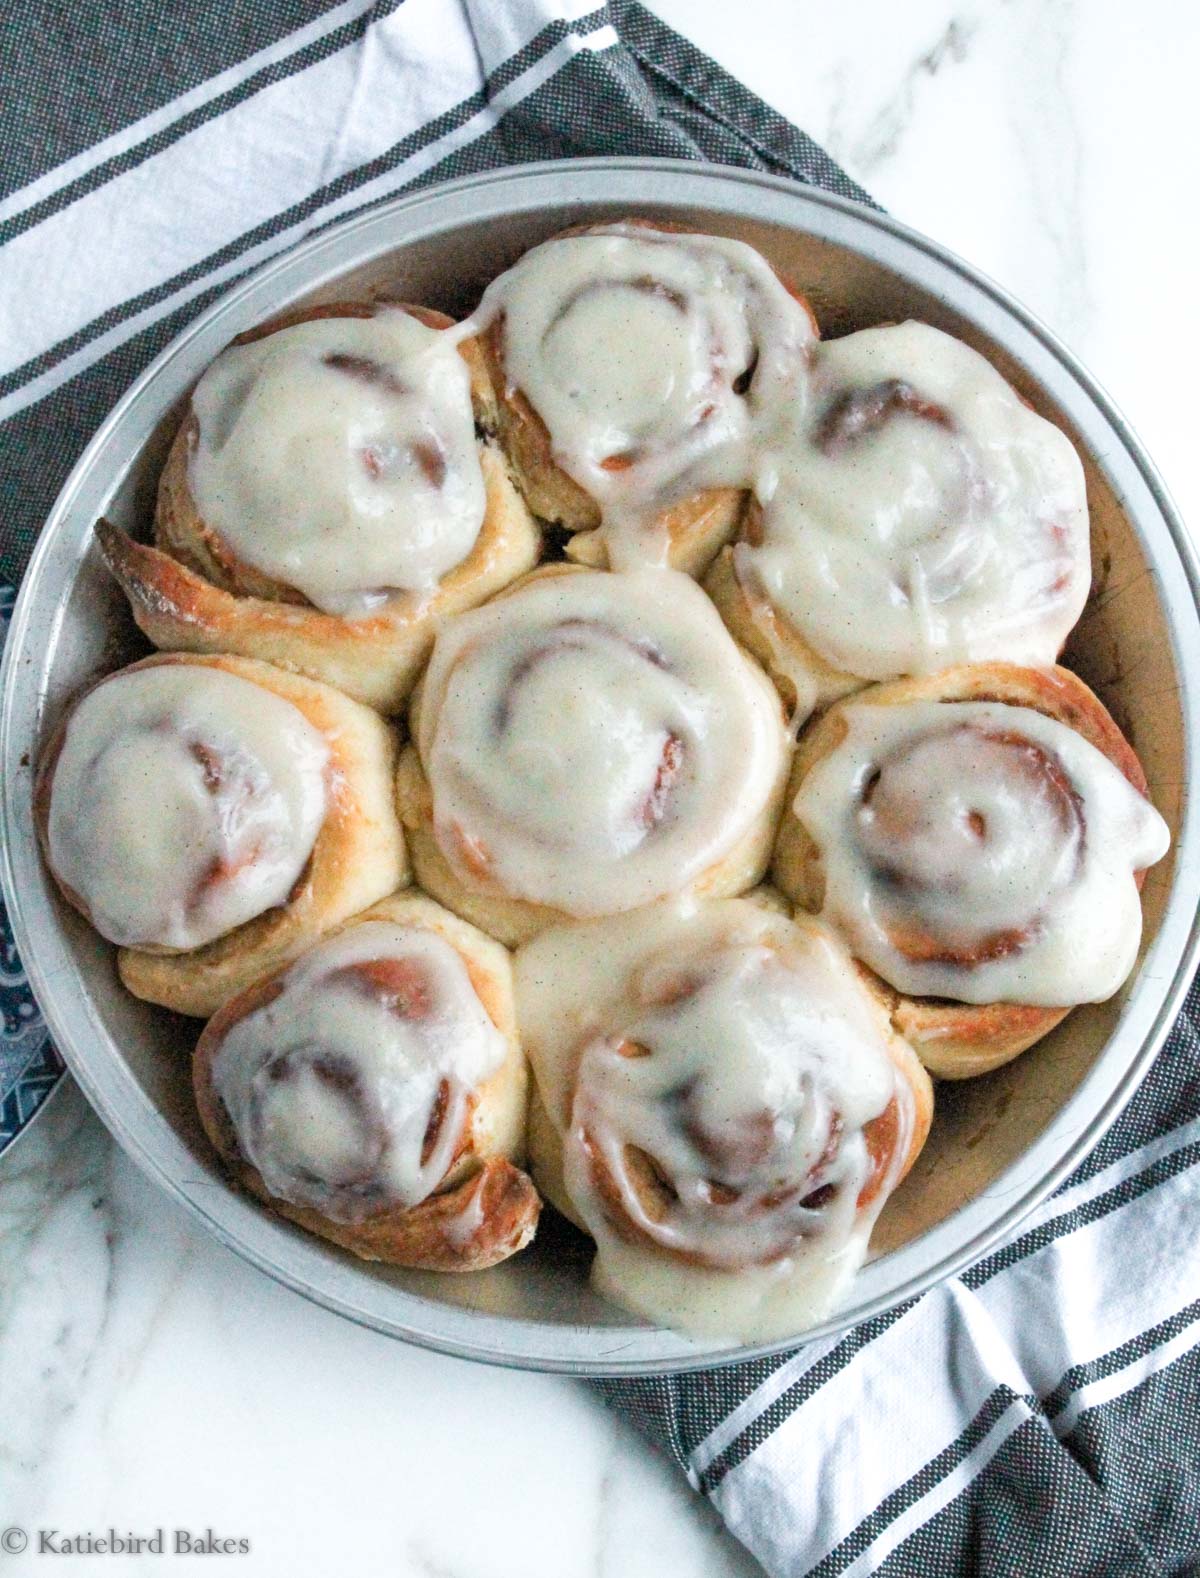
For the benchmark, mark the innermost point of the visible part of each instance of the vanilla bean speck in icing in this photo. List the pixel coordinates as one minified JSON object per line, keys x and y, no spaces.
{"x":338,"y":457}
{"x":653,"y":358}
{"x":595,"y":740}
{"x":348,"y":1088}
{"x":918,"y":513}
{"x":730,"y":1115}
{"x":184,"y":802}
{"x":981,"y":852}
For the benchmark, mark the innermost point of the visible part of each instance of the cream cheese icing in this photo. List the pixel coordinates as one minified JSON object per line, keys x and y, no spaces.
{"x":184,"y":802}
{"x":348,"y":1089}
{"x":713,"y":1070}
{"x":981,"y":852}
{"x":338,"y":457}
{"x":594,"y":741}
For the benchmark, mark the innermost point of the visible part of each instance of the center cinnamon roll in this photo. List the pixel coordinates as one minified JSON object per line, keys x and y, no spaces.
{"x":593,"y":741}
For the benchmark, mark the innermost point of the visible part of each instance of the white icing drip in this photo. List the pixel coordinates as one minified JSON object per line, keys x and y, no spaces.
{"x":628,"y":342}
{"x":594,"y":741}
{"x":468,"y":1222}
{"x":756,"y":1034}
{"x":338,"y":456}
{"x":331,"y":1085}
{"x":185,"y":801}
{"x":905,"y":540}
{"x":966,"y":836}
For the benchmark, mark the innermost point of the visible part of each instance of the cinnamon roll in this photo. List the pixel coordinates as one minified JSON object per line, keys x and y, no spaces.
{"x":979,"y":837}
{"x":724,"y":1107}
{"x":584,"y":744}
{"x":213,"y":815}
{"x":374,"y":1091}
{"x":915,"y":513}
{"x":636,"y":363}
{"x":327,"y":499}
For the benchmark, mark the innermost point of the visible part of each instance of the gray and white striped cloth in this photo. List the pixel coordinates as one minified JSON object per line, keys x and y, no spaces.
{"x":1038,"y":1415}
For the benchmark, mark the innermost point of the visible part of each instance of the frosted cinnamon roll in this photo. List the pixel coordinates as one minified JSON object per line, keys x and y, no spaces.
{"x":332,"y":492}
{"x":586,"y":743}
{"x":915,"y":514}
{"x":211,"y":816}
{"x":636,"y":364}
{"x":724,"y":1108}
{"x":374,"y":1091}
{"x":980,"y":838}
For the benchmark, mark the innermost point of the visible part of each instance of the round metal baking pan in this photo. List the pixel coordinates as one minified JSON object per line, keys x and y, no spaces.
{"x":1001,"y":1143}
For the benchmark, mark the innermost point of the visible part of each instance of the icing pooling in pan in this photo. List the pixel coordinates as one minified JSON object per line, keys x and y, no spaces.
{"x":653,"y":359}
{"x":185,"y":801}
{"x":731,"y":1118}
{"x":348,"y":1088}
{"x":917,"y":513}
{"x":338,"y":457}
{"x":981,"y":852}
{"x":594,"y":741}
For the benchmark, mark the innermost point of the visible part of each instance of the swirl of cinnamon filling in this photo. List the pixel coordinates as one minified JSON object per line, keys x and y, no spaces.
{"x":337,"y":456}
{"x":349,"y":1081}
{"x":732,"y":1109}
{"x":981,"y":852}
{"x":918,"y":513}
{"x":651,"y":357}
{"x":593,"y":741}
{"x":708,"y":1126}
{"x":183,"y":802}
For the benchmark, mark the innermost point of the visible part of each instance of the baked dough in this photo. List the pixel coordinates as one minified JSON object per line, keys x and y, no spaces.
{"x":721,"y":1105}
{"x":1003,"y":859}
{"x":586,"y":743}
{"x":193,"y":592}
{"x":356,"y":856}
{"x":374,"y":1091}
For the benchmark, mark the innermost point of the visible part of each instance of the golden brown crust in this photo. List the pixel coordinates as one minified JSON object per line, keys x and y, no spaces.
{"x":190,"y":592}
{"x":43,"y":785}
{"x":882,"y":1132}
{"x":486,"y":1207}
{"x":514,"y":921}
{"x":953,"y":1040}
{"x":511,"y":921}
{"x":914,"y":1074}
{"x":695,"y":529}
{"x":359,"y":854}
{"x":962,"y":1040}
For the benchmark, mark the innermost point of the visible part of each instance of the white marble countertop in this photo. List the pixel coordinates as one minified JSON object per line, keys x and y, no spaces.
{"x":147,"y":1376}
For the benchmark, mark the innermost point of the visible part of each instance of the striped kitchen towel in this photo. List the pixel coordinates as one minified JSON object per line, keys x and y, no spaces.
{"x":1038,"y":1415}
